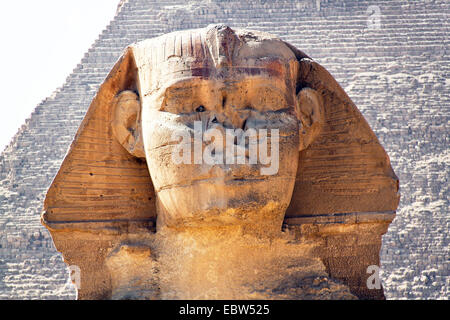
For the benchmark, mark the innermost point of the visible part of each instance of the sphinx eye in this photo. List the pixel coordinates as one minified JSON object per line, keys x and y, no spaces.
{"x":200,"y":109}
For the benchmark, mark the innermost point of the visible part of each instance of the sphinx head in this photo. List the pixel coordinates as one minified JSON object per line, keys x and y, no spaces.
{"x":220,"y":127}
{"x":213,"y":127}
{"x":220,"y":120}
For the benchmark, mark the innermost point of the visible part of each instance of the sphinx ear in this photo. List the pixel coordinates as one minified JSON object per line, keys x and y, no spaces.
{"x":126,"y":122}
{"x":310,"y":114}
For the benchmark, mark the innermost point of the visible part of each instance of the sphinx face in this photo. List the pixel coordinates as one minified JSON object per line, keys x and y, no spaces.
{"x":223,"y":148}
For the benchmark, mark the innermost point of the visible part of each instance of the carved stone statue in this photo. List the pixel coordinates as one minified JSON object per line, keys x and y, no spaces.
{"x":220,"y":163}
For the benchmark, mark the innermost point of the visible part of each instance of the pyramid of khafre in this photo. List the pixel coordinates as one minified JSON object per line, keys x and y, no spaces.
{"x":392,"y":57}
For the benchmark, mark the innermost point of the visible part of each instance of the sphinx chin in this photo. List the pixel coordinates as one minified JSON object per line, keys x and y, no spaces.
{"x":226,"y":202}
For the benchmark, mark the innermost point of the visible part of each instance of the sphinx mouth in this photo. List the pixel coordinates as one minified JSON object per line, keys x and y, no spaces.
{"x":258,"y":178}
{"x":235,"y":180}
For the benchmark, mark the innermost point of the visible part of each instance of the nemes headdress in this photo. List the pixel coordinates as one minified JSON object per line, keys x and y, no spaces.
{"x":345,"y":170}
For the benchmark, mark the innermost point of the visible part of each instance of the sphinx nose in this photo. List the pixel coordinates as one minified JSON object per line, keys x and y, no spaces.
{"x":228,"y":120}
{"x":230,"y":116}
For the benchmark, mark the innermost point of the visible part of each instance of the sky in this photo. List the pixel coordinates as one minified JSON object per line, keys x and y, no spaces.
{"x":42,"y":41}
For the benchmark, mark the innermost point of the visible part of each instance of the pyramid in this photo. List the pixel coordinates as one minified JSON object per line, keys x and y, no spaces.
{"x":396,"y":71}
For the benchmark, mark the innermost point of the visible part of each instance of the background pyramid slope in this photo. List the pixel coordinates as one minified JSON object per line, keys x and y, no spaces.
{"x":398,"y":76}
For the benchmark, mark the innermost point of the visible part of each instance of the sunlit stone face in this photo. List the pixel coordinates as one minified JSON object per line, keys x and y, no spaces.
{"x":200,"y":113}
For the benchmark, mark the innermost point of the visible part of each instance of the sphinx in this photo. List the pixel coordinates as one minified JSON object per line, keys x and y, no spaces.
{"x":141,"y":225}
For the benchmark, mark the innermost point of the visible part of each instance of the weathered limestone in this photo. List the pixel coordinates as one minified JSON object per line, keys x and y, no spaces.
{"x":334,"y":189}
